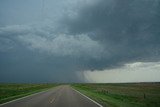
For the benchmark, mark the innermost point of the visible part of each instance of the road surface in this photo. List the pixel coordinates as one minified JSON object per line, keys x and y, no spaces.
{"x":60,"y":96}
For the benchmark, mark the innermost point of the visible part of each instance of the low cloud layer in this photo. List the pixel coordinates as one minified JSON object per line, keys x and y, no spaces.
{"x":56,"y":40}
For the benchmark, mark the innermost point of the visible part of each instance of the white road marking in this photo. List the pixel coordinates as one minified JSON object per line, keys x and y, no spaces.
{"x":52,"y":100}
{"x":88,"y":98}
{"x":25,"y":97}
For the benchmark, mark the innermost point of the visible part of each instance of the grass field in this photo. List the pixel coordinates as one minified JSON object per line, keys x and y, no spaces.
{"x":13,"y":91}
{"x":123,"y":95}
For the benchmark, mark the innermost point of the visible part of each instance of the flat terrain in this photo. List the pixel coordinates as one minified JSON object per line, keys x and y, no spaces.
{"x":13,"y":91}
{"x":56,"y":95}
{"x":60,"y":96}
{"x":123,"y":95}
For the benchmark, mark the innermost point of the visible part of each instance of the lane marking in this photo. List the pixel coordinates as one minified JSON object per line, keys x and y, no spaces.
{"x":52,"y":100}
{"x":21,"y":98}
{"x":87,"y":97}
{"x":58,"y":95}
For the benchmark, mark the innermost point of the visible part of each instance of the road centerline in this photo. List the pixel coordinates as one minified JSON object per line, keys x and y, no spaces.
{"x":52,"y":100}
{"x":64,"y":96}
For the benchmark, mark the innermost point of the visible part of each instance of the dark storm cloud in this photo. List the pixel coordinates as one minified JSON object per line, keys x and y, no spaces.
{"x":29,"y":51}
{"x":128,"y":29}
{"x":69,"y":36}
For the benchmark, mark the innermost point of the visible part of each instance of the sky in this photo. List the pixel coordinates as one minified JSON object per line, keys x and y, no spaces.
{"x":101,"y":41}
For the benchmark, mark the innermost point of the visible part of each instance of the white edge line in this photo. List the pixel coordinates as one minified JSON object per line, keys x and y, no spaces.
{"x":24,"y":97}
{"x":88,"y":98}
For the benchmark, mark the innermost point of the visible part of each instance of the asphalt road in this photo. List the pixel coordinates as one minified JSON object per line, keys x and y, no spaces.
{"x":60,"y":96}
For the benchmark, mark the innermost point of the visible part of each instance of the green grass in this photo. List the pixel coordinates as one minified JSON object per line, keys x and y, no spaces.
{"x":10,"y":92}
{"x":123,"y":95}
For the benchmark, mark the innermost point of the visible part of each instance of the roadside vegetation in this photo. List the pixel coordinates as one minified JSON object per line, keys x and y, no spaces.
{"x":123,"y":95}
{"x":10,"y":92}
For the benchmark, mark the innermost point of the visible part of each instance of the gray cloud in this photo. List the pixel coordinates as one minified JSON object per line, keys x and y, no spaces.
{"x":56,"y":41}
{"x":129,"y":29}
{"x":44,"y":51}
